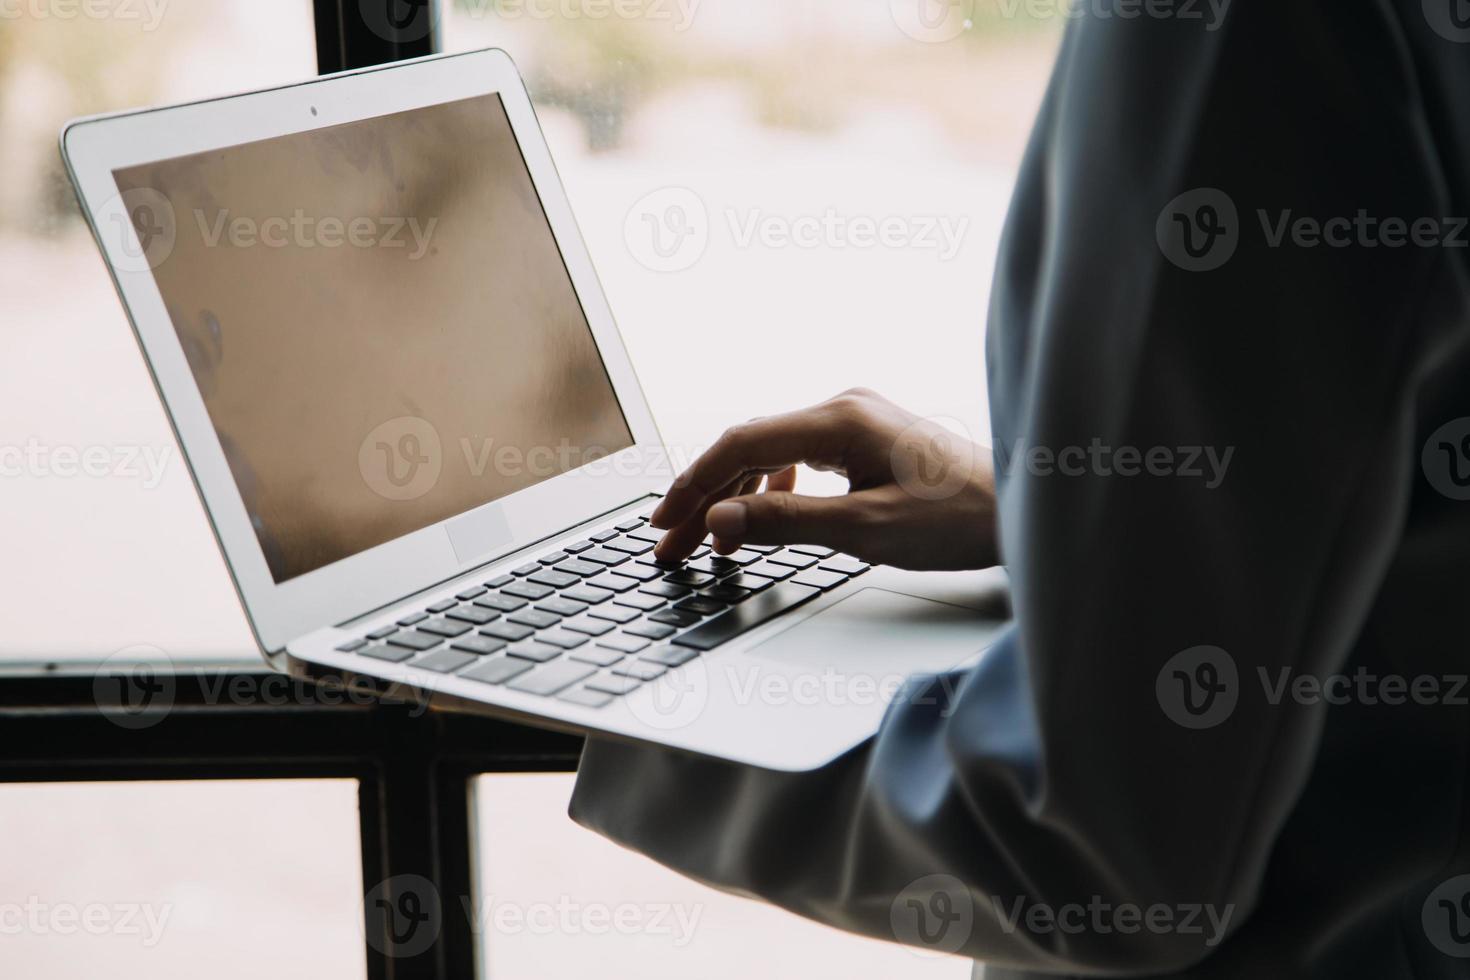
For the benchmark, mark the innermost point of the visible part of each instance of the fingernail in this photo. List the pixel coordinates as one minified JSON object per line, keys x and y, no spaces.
{"x":726,"y":519}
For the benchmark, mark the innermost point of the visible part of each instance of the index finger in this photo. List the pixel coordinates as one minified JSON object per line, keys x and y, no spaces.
{"x":762,"y":446}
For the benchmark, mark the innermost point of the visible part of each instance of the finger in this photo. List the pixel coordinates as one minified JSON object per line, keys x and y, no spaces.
{"x":680,"y":540}
{"x":841,"y":522}
{"x":750,"y":485}
{"x":764,"y":446}
{"x":782,"y":482}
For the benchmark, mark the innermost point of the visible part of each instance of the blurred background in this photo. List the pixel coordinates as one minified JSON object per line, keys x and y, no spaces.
{"x":728,"y":161}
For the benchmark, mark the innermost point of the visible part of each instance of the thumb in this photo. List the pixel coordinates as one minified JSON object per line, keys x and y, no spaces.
{"x":777,"y":517}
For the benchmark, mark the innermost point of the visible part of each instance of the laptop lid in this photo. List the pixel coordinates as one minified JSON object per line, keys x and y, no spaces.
{"x":374,"y":326}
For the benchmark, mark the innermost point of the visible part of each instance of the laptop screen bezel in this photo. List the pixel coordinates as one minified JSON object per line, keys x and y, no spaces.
{"x":95,"y":148}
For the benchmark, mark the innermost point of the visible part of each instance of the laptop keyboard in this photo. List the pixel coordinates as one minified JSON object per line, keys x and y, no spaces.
{"x":600,"y":617}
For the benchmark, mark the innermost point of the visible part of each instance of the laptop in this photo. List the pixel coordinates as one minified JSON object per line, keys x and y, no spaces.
{"x":423,"y":450}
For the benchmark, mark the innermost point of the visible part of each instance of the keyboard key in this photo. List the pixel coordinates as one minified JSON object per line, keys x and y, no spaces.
{"x":562,"y":606}
{"x":587,"y":697}
{"x":629,"y":524}
{"x":555,"y":579}
{"x":588,"y":625}
{"x":614,"y":614}
{"x":468,"y":594}
{"x":351,"y":645}
{"x":527,"y":590}
{"x":819,"y":579}
{"x":751,"y":583}
{"x":473,"y":614}
{"x":414,"y":640}
{"x":701,"y":605}
{"x":577,"y":547}
{"x":714,"y":565}
{"x":531,"y":650}
{"x":439,"y":607}
{"x":604,"y":557}
{"x":535,"y":618}
{"x":815,"y":550}
{"x":587,"y":594}
{"x":529,"y":568}
{"x":498,"y":670}
{"x":643,"y":573}
{"x":793,"y":559}
{"x":759,"y":608}
{"x":552,"y":558}
{"x":685,"y":576}
{"x":674,"y":617}
{"x":500,"y":603}
{"x":613,"y":583}
{"x":413,"y":618}
{"x":446,"y":661}
{"x":386,"y":631}
{"x":579,"y":567}
{"x":652,"y":631}
{"x":670,"y":656}
{"x":382,"y":651}
{"x":646,"y":534}
{"x":623,"y":642}
{"x":744,"y":556}
{"x":769,"y":570}
{"x":630,"y":546}
{"x":562,"y":638}
{"x":643,"y":670}
{"x":729,"y":594}
{"x":764,"y":549}
{"x":597,"y":655}
{"x":637,"y":600}
{"x":510,"y":632}
{"x":500,"y":581}
{"x":547,"y":680}
{"x":481,"y":646}
{"x":846,"y":566}
{"x":666,"y":590}
{"x":601,"y":536}
{"x":612,"y":684}
{"x":445,"y":627}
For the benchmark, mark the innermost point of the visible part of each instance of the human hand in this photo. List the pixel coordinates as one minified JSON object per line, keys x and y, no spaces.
{"x":918,"y":497}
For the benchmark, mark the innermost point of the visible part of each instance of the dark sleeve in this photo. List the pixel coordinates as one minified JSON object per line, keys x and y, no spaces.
{"x":1083,"y":761}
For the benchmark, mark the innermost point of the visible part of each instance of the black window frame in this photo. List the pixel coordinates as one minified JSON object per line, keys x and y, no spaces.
{"x":413,"y":766}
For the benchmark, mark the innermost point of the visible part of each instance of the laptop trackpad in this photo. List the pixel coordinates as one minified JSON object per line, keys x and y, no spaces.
{"x":876,"y":631}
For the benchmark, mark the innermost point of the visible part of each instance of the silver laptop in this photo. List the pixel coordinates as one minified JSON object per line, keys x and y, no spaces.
{"x":386,"y":356}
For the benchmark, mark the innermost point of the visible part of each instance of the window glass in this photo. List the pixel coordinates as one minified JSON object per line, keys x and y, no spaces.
{"x":145,"y":880}
{"x":106,"y":544}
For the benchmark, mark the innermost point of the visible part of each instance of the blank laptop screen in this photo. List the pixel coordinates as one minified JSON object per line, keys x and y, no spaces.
{"x":380,"y":322}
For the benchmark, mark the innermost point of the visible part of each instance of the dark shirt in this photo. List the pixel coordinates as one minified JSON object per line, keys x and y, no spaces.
{"x":1066,"y":772}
